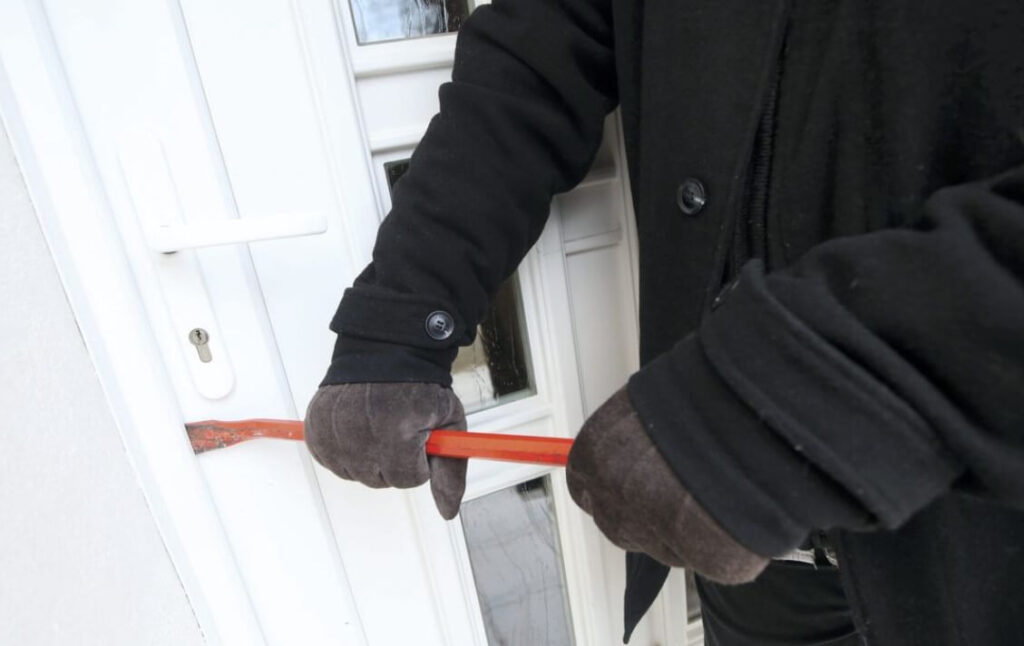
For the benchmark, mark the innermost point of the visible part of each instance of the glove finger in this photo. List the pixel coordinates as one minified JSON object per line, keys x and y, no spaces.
{"x":314,"y":450}
{"x":593,"y":472}
{"x":321,"y":434}
{"x":614,"y":532}
{"x":707,"y":548}
{"x":641,"y":542}
{"x":578,"y":488}
{"x":407,"y":468}
{"x":447,"y":484}
{"x":661,"y":548}
{"x":367,"y":473}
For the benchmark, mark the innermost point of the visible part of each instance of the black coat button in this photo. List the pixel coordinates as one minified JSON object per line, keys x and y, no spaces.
{"x":691,"y":196}
{"x":440,"y":325}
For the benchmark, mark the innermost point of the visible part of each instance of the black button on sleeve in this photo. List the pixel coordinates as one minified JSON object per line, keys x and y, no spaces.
{"x":691,"y":196}
{"x":440,"y":325}
{"x":407,"y":319}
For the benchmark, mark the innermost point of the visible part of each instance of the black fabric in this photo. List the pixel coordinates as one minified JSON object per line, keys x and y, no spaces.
{"x":951,"y":576}
{"x":902,"y":321}
{"x":790,"y":604}
{"x":644,"y":578}
{"x":358,"y":360}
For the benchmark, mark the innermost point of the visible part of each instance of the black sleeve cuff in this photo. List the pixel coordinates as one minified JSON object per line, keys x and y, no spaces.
{"x":763,"y":493}
{"x":847,"y":420}
{"x":775,"y":432}
{"x":358,"y":360}
{"x":406,"y":319}
{"x":385,"y":336}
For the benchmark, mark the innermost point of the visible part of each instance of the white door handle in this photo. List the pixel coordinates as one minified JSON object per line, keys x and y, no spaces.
{"x":209,"y":233}
{"x":142,"y":158}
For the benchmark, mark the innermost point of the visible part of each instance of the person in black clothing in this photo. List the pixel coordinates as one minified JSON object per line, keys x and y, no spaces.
{"x":829,"y":197}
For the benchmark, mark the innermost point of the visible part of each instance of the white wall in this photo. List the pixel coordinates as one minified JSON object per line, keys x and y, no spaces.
{"x":81,"y":561}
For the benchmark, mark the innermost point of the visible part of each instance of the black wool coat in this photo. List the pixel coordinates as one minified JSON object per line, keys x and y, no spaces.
{"x":829,"y":196}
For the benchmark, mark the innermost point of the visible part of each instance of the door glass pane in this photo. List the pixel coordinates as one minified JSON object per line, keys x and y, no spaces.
{"x":512,"y":537}
{"x":496,"y":368}
{"x":382,"y":20}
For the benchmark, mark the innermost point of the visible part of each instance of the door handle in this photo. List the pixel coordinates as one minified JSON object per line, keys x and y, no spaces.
{"x":177,"y":237}
{"x":163,"y":227}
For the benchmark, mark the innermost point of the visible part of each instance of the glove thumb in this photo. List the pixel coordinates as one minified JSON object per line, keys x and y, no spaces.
{"x":447,"y":483}
{"x":448,"y":475}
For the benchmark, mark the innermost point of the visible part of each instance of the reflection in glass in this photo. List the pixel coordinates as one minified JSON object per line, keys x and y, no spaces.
{"x":512,"y":538}
{"x":496,"y":368}
{"x":380,"y":20}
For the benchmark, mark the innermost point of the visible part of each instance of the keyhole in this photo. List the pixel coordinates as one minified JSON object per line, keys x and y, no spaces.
{"x":201,"y":339}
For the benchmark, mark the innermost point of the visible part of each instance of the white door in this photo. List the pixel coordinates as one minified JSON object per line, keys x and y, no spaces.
{"x":223,"y":166}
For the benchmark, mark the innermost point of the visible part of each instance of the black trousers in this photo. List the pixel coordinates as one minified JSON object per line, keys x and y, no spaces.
{"x":790,"y":604}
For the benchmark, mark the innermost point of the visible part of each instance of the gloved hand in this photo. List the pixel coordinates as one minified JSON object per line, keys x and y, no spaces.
{"x":374,"y":433}
{"x":616,"y":474}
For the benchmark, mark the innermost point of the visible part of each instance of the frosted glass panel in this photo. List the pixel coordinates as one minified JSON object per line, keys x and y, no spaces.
{"x":381,"y":20}
{"x":512,"y":537}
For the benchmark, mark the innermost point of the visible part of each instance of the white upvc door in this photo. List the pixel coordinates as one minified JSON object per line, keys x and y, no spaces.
{"x":223,"y":166}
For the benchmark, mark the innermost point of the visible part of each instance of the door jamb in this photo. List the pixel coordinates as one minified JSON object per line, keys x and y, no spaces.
{"x":39,"y":113}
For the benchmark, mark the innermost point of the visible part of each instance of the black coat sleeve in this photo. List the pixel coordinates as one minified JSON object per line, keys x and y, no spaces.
{"x":520,"y":121}
{"x":851,"y":389}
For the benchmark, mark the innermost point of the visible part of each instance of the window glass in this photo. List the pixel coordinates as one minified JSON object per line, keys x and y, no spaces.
{"x":512,"y":538}
{"x":496,"y":368}
{"x":393,"y":170}
{"x":383,"y":20}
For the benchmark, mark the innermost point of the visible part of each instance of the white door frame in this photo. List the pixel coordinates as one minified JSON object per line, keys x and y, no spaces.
{"x":40,"y":116}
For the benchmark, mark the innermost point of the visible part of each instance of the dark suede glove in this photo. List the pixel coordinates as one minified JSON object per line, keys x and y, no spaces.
{"x":616,"y":474}
{"x":374,"y":433}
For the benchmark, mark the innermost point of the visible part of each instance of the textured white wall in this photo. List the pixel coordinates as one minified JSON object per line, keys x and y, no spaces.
{"x":81,"y":561}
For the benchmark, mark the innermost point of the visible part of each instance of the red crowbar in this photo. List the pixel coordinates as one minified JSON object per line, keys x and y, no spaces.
{"x":214,"y":434}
